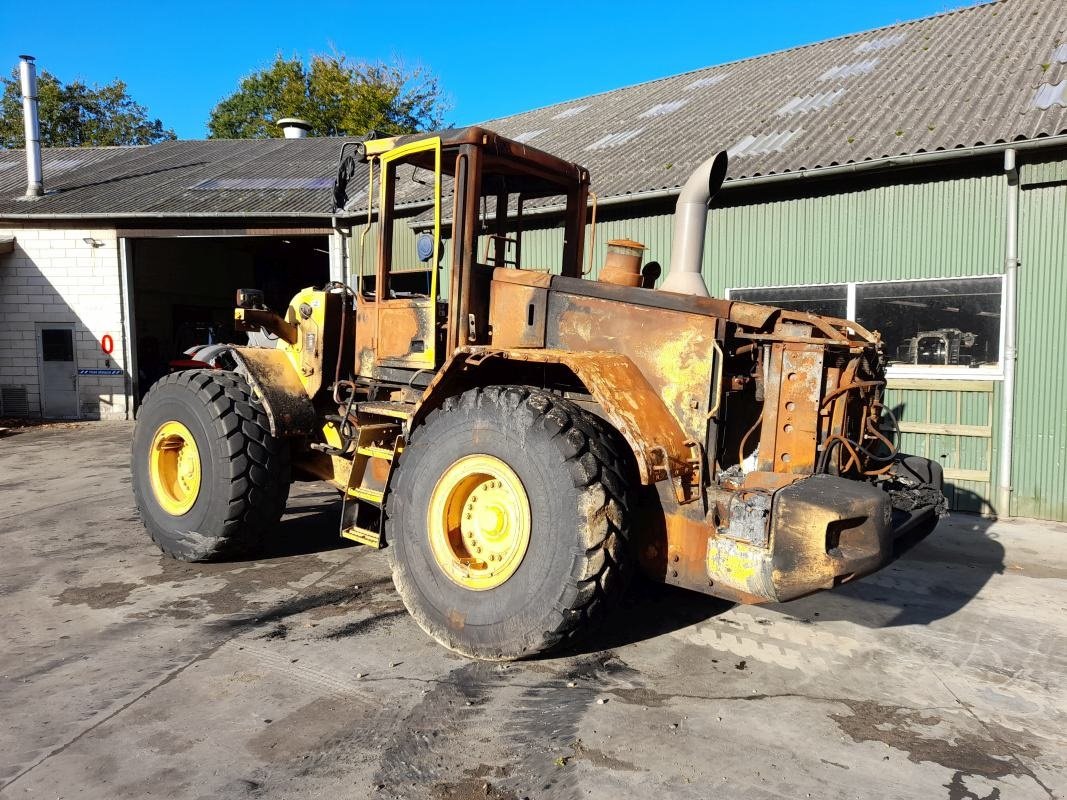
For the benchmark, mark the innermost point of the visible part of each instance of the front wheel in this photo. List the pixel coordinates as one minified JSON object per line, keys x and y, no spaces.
{"x":508,"y":521}
{"x":209,"y":479}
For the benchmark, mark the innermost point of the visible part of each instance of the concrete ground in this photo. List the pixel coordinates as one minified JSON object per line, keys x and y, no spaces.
{"x":124,"y":674}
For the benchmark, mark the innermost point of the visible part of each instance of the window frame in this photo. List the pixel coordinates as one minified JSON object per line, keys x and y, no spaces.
{"x":984,"y":372}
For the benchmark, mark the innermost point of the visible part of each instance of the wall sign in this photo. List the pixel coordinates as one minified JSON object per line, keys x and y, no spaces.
{"x":100,"y":372}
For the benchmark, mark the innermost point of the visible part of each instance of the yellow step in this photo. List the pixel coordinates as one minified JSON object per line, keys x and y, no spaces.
{"x":363,"y":536}
{"x":385,"y":408}
{"x":370,"y":495}
{"x":375,"y":452}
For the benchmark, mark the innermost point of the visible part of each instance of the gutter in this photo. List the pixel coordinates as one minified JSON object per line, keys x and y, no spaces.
{"x":323,"y":215}
{"x":816,"y":173}
{"x":859,"y":167}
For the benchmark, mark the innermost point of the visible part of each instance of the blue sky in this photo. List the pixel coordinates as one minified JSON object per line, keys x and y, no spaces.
{"x":181,"y":58}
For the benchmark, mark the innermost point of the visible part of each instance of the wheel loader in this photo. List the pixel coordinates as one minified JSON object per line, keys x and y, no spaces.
{"x":522,"y":437}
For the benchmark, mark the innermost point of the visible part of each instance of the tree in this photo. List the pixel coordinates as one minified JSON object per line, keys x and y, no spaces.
{"x":337,"y":96}
{"x":78,"y":115}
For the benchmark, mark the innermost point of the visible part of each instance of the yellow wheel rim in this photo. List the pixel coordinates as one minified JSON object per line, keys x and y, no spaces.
{"x":479,"y":522}
{"x":174,"y":468}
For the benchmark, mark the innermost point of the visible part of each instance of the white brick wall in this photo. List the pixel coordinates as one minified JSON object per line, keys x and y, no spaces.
{"x":54,"y":275}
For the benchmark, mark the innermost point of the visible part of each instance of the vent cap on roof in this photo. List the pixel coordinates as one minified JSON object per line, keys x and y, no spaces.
{"x":294,"y":127}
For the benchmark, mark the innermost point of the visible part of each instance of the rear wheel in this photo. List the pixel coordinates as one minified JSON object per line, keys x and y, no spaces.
{"x":508,"y":521}
{"x":209,"y":478}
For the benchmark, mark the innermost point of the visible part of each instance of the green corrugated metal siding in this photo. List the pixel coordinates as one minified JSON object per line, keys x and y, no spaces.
{"x":1040,"y":457}
{"x":1043,"y":172}
{"x":932,"y":229}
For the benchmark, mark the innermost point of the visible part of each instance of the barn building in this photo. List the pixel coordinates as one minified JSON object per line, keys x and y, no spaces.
{"x":913,"y":178}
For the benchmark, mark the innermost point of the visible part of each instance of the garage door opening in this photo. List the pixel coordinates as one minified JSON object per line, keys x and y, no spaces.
{"x":183,"y":290}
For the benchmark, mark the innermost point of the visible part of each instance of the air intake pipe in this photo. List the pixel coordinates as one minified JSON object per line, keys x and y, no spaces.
{"x":690,"y":222}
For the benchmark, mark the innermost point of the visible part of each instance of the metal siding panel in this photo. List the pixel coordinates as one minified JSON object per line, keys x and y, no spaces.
{"x":1040,"y":457}
{"x":932,"y":229}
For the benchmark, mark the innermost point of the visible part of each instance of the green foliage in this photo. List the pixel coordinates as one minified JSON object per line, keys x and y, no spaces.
{"x":78,"y":115}
{"x":337,"y":96}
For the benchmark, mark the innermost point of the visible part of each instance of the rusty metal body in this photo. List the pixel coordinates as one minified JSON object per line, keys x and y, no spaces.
{"x":756,"y":432}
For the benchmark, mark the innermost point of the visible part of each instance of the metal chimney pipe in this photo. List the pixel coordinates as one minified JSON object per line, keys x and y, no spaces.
{"x":34,"y":175}
{"x":690,"y":222}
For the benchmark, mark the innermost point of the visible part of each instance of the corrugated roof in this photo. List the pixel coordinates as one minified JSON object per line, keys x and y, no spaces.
{"x":264,"y":177}
{"x":995,"y":72}
{"x":988,"y":73}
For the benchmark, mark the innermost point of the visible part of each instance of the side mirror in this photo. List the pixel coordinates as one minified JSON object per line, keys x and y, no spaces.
{"x":250,"y":298}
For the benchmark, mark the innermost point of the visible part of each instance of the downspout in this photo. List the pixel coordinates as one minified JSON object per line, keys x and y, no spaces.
{"x":1011,"y":277}
{"x":28,"y":79}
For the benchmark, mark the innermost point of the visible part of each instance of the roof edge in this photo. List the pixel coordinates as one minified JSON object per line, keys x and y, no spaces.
{"x":872,"y":165}
{"x":964,"y":7}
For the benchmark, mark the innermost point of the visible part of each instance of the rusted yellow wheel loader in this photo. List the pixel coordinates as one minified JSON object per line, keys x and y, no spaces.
{"x":520,"y":437}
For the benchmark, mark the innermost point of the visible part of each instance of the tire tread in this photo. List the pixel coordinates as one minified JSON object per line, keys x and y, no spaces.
{"x":256,"y":464}
{"x":601,"y":468}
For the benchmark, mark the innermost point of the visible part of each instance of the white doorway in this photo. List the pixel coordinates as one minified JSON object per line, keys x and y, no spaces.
{"x":58,"y":370}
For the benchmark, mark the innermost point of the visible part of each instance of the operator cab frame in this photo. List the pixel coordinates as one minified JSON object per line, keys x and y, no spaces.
{"x":412,"y":317}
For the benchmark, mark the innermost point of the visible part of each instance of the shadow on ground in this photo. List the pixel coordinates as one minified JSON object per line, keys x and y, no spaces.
{"x":934,"y":580}
{"x":646,"y":611}
{"x":311,"y":525}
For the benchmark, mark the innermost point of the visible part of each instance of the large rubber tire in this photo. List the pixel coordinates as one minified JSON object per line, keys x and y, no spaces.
{"x":244,"y":469}
{"x":577,"y":474}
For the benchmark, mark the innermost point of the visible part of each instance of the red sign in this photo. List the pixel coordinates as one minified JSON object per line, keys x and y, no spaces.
{"x":107,"y":344}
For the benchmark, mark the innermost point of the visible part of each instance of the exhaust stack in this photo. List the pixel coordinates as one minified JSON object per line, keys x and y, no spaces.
{"x":34,"y":175}
{"x":690,"y":222}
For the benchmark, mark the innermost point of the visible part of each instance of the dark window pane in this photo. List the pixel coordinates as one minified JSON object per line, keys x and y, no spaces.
{"x":830,"y":301}
{"x":57,"y":344}
{"x":934,"y":323}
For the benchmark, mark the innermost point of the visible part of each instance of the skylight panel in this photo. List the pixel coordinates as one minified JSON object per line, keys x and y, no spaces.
{"x":526,"y":136}
{"x":1051,"y":94}
{"x":758,"y":145}
{"x":812,"y":102}
{"x":614,"y":139}
{"x":881,"y":43}
{"x":573,"y":111}
{"x":278,"y":184}
{"x":662,"y":109}
{"x":849,"y":70}
{"x":711,"y":80}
